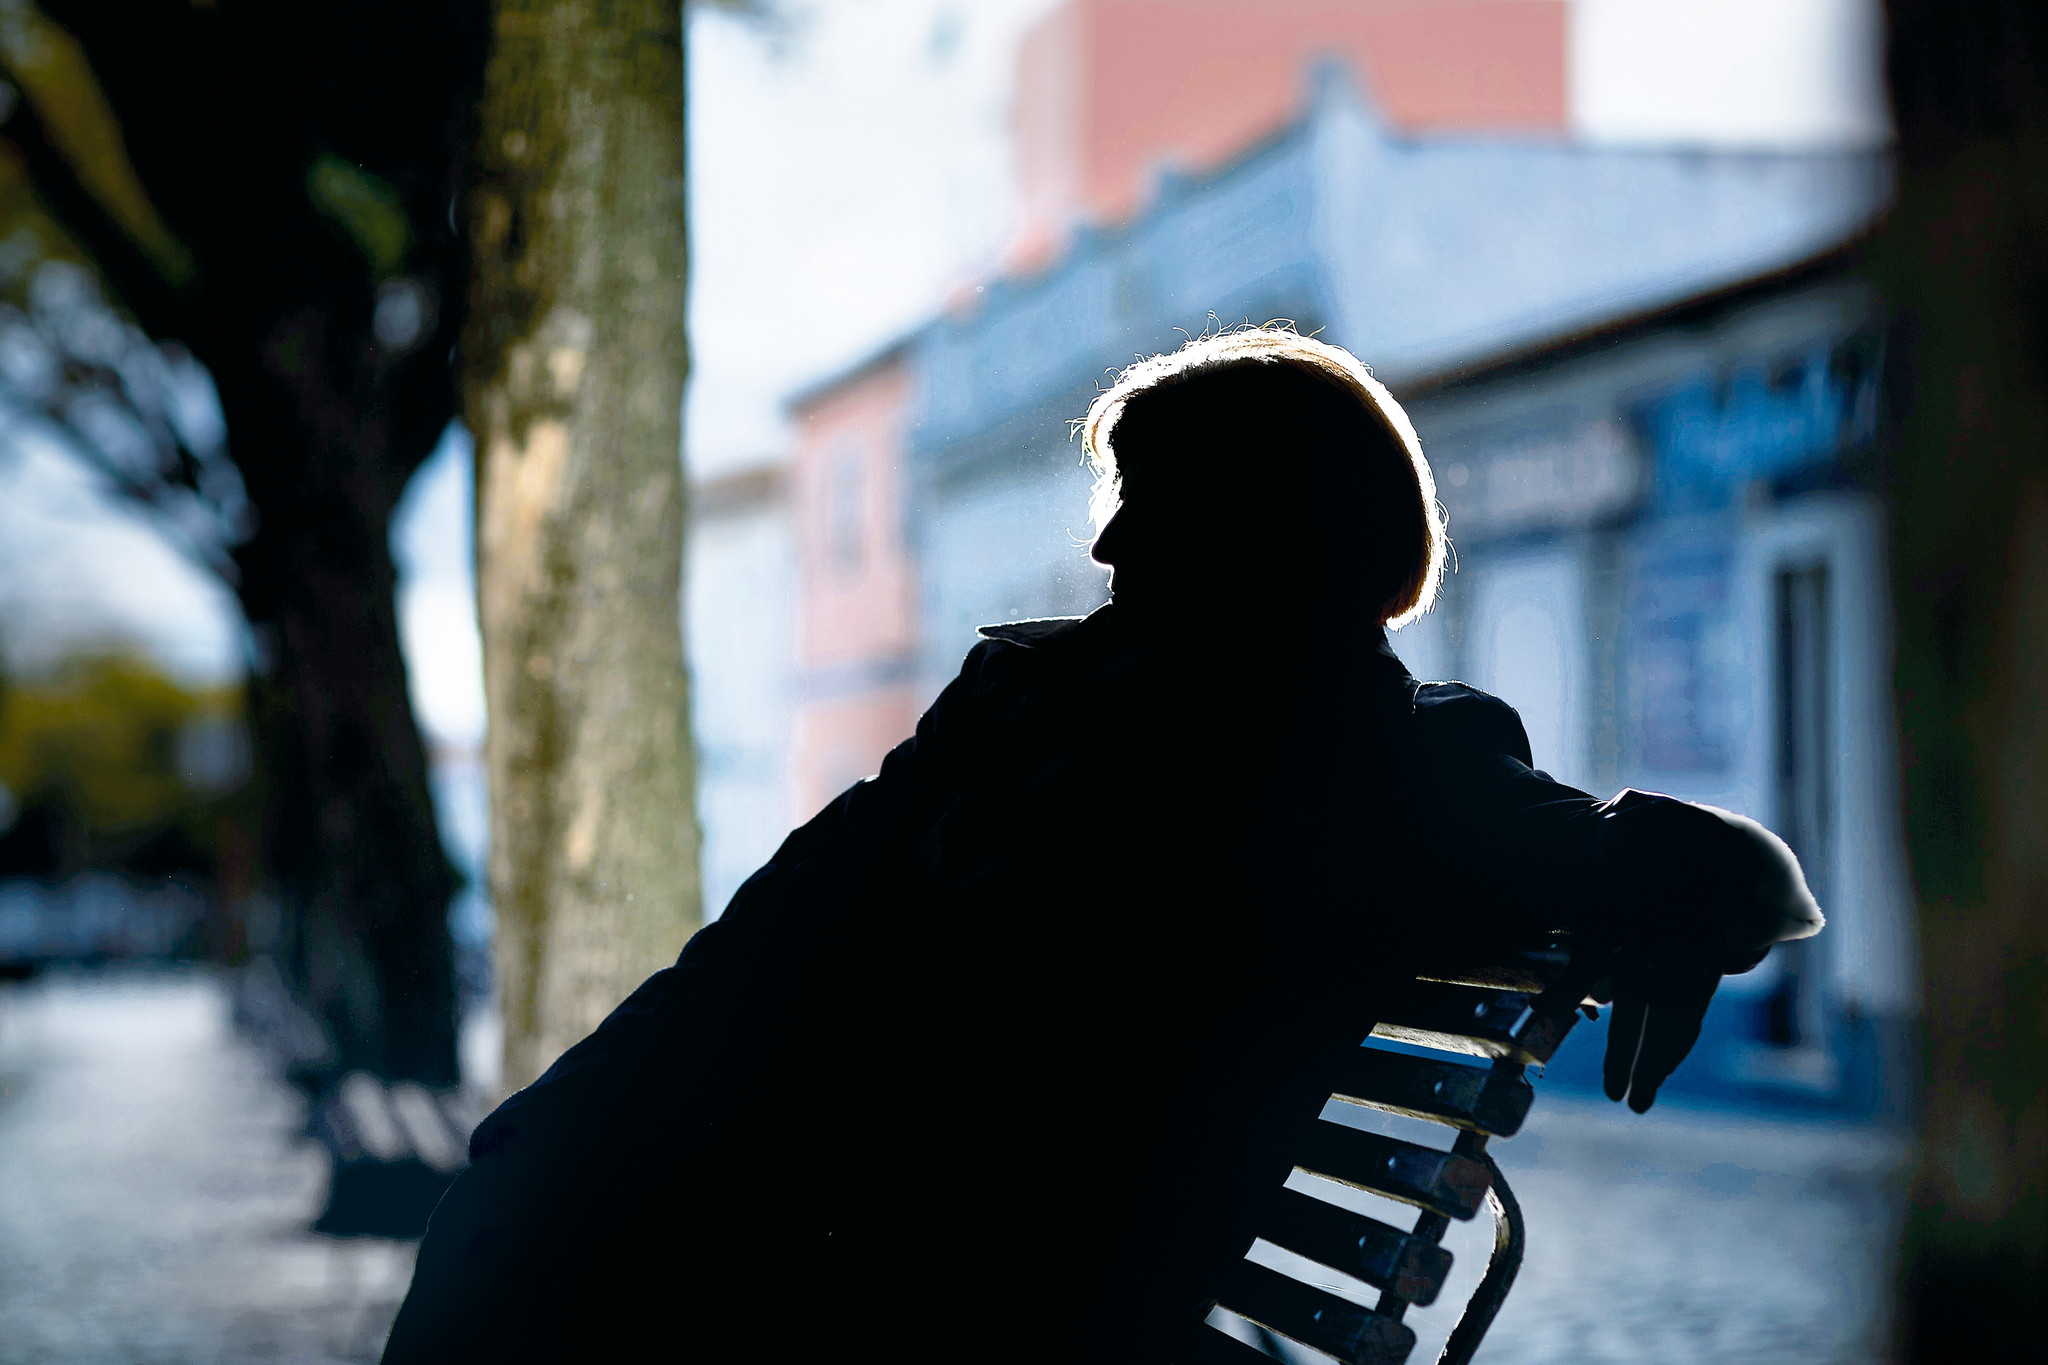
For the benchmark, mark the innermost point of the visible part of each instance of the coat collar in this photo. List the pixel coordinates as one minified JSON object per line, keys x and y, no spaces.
{"x":1032,"y":634}
{"x":1037,"y":634}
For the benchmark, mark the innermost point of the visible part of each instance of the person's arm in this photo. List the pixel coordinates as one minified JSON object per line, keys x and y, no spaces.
{"x":1689,"y":894}
{"x":1679,"y":893}
{"x":1518,"y":848}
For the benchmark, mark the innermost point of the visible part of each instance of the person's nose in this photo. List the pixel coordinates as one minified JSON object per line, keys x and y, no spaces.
{"x":1109,"y":541}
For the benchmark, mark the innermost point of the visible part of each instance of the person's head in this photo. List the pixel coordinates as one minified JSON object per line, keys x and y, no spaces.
{"x":1262,"y":454}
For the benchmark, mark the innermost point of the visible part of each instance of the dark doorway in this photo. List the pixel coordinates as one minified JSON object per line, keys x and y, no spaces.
{"x":1805,"y":797}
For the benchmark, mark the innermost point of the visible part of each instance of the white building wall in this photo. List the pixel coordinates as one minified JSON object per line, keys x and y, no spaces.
{"x":1015,"y":550}
{"x":1526,"y":643}
{"x":1425,"y":644}
{"x":1526,"y":640}
{"x":739,"y":631}
{"x":1869,"y":943}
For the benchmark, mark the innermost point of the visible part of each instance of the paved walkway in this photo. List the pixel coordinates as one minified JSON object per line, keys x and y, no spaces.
{"x":154,"y":1201}
{"x":1683,"y":1235}
{"x":154,"y":1198}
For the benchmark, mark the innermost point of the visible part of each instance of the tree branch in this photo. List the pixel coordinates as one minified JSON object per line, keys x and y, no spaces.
{"x":162,"y":309}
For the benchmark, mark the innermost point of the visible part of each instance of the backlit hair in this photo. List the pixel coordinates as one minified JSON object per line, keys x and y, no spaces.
{"x":1371,"y":465}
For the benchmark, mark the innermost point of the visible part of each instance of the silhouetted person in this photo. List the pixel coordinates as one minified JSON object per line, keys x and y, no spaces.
{"x":998,"y":1056}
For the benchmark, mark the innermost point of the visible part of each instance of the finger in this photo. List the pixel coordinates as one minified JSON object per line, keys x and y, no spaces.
{"x":1628,"y":987}
{"x":1624,"y":1040}
{"x":1669,"y":1032}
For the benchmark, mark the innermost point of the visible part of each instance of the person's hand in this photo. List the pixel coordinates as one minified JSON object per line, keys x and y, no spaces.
{"x":1659,"y":1002}
{"x":1692,"y":893}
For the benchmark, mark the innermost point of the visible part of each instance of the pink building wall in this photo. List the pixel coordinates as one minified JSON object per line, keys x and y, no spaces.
{"x":856,"y":621}
{"x":1108,"y":89}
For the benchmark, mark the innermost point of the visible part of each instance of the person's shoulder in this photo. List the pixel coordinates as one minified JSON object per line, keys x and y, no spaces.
{"x":1003,"y":670}
{"x":1005,"y":660}
{"x":1020,"y":649}
{"x":1456,"y":713}
{"x":1457,"y":698}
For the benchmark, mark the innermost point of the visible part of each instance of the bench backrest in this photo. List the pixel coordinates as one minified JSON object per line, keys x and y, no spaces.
{"x":1510,"y":1011}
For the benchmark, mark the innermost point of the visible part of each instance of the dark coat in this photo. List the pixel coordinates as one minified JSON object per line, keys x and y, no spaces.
{"x":996,"y":1056}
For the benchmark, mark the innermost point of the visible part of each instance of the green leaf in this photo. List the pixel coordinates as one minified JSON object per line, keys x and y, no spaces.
{"x":365,"y":207}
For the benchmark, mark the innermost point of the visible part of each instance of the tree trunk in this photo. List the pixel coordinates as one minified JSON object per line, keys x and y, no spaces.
{"x":231,"y":120}
{"x":1964,"y":259}
{"x":350,"y":835}
{"x":574,"y":364}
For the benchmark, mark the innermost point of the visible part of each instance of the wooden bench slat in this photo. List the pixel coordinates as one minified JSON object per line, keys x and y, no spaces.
{"x":1473,"y":1020}
{"x":1316,"y":1317}
{"x":1528,"y":970}
{"x":1385,"y":1257}
{"x":1473,"y":1097}
{"x":1442,"y":1182}
{"x":1213,"y":1346}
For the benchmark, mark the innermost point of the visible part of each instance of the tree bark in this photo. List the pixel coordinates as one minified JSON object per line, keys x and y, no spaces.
{"x":1964,"y":260}
{"x":349,"y":829}
{"x":574,"y":365}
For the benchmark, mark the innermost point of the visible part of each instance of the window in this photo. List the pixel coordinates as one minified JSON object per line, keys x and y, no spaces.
{"x":844,"y":519}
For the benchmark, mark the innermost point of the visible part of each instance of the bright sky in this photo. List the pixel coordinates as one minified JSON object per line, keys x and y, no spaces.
{"x":848,"y":167}
{"x":843,"y":174}
{"x":433,"y":540}
{"x":83,"y":571}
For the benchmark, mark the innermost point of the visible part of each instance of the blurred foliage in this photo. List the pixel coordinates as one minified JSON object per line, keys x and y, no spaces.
{"x":233,"y":273}
{"x":58,"y":80}
{"x":27,"y":233}
{"x":144,"y":413}
{"x":118,"y":745}
{"x":365,"y":207}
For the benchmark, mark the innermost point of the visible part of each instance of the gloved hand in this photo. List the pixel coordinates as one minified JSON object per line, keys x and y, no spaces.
{"x":1689,"y":893}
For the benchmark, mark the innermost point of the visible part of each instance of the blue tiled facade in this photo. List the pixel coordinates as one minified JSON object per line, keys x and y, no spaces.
{"x":1670,"y":560}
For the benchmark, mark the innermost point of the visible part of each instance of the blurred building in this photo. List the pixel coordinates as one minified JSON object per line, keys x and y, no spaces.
{"x":1418,"y":248}
{"x":1645,"y":379}
{"x":1670,"y":561}
{"x":739,"y":617}
{"x":858,"y":632}
{"x":1648,"y":389}
{"x":1104,"y":99}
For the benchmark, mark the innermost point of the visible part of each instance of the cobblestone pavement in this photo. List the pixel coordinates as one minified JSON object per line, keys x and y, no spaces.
{"x":1679,"y":1235}
{"x":1690,"y":1236}
{"x":154,"y":1201}
{"x":154,"y":1197}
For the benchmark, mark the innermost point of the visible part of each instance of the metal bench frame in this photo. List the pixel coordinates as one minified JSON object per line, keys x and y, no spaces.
{"x":1514,"y":1010}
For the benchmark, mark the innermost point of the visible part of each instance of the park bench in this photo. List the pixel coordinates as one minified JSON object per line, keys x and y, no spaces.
{"x":1509,"y":1010}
